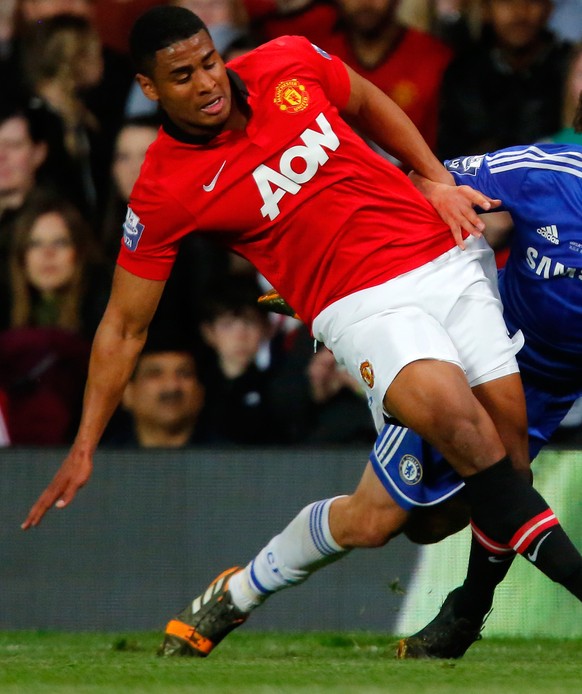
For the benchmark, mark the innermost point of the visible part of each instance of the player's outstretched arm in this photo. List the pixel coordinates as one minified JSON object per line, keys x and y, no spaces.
{"x":455,"y":204}
{"x":117,"y":344}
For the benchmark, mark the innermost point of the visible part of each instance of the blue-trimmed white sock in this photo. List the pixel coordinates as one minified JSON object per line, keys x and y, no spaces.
{"x":303,"y":547}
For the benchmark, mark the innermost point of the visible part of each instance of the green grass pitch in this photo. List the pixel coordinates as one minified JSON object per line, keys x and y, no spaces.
{"x":58,"y":663}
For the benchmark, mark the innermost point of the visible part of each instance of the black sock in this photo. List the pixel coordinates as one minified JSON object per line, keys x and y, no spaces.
{"x":506,"y":510}
{"x":485,"y":572}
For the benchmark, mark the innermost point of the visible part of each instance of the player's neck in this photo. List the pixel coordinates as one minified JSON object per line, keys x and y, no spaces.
{"x":237,"y":119}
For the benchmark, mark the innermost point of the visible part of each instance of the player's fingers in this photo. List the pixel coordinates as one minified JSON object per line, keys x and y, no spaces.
{"x":67,"y":496}
{"x":466,"y":222}
{"x":45,"y":501}
{"x":457,"y":232}
{"x":495,"y":202}
{"x":479,"y":199}
{"x":472,"y":223}
{"x":62,"y":487}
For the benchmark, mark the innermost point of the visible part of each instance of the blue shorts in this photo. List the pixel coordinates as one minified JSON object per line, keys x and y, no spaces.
{"x":416,"y":474}
{"x":544,"y":414}
{"x":412,"y":471}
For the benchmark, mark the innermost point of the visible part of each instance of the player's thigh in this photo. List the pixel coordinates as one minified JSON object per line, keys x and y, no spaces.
{"x":435,"y":400}
{"x":410,"y":369}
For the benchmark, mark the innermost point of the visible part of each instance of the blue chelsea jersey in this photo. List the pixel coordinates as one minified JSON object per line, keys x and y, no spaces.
{"x":541,"y":286}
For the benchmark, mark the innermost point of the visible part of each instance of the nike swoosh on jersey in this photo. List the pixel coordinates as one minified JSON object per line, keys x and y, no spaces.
{"x":210,"y":187}
{"x":534,"y":555}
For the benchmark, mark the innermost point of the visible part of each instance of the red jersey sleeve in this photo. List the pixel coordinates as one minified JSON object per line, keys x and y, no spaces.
{"x":331,"y":71}
{"x":154,"y":225}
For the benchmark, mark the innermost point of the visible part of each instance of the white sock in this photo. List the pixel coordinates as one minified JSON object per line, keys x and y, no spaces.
{"x":303,"y":547}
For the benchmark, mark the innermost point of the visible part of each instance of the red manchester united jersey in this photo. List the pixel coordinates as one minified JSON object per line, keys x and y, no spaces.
{"x":297,"y":193}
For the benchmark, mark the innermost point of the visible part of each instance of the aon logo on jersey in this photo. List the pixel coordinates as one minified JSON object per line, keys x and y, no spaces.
{"x":274,"y":184}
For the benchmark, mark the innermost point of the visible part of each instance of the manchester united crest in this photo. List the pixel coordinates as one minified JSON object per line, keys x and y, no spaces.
{"x":291,"y":96}
{"x":367,"y":373}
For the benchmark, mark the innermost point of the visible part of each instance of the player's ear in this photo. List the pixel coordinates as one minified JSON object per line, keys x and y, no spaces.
{"x":147,"y":87}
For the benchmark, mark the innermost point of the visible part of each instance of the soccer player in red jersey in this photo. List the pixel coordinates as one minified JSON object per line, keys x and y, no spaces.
{"x":260,"y":157}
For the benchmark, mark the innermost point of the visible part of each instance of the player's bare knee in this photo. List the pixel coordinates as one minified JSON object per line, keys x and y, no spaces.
{"x":374,"y":527}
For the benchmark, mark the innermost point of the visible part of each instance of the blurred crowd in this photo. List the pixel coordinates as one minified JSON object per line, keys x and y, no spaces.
{"x":473,"y":75}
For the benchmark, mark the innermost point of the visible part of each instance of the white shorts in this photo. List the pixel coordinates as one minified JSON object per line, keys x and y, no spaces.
{"x":447,"y":309}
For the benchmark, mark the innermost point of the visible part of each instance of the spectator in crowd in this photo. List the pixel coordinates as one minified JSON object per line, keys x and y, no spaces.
{"x":340,"y":410}
{"x":131,"y":143}
{"x":234,"y":327}
{"x":313,"y":400}
{"x":55,"y":277}
{"x":456,"y":22}
{"x":21,"y":15}
{"x":57,"y":293}
{"x":506,"y":87}
{"x":405,"y":63}
{"x":23,"y":150}
{"x":61,"y":59}
{"x":163,"y":400}
{"x":105,"y":99}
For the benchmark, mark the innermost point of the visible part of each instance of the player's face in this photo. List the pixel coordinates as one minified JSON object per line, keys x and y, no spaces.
{"x":190,"y":82}
{"x":518,"y":23}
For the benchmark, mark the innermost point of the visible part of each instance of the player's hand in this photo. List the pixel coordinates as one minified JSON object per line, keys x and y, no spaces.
{"x":70,"y":477}
{"x":456,"y":206}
